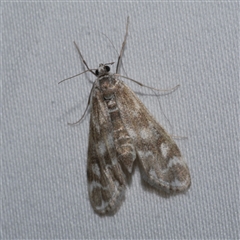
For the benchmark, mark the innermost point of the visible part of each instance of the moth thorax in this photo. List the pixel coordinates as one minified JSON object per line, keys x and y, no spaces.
{"x":107,"y":83}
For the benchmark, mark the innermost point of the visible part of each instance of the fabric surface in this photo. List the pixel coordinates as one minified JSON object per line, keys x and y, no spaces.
{"x":44,"y":184}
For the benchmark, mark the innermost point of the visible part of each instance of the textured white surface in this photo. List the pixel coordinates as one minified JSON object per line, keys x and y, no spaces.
{"x":44,"y":186}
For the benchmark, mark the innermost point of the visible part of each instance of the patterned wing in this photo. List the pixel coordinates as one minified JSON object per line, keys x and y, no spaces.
{"x":161,"y":162}
{"x":106,"y":180}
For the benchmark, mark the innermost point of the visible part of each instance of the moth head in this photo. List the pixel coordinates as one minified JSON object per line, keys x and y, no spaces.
{"x":103,"y":69}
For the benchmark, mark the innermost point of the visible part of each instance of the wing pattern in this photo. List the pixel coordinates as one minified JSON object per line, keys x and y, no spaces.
{"x":122,"y":130}
{"x":160,"y":158}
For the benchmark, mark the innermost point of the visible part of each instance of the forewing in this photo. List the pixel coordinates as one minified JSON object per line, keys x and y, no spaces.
{"x":106,"y":180}
{"x":160,"y":159}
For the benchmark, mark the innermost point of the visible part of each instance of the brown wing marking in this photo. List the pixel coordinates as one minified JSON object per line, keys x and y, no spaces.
{"x":106,"y":180}
{"x":160,"y":158}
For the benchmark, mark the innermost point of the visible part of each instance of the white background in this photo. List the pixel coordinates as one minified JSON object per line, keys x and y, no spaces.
{"x":44,"y":185}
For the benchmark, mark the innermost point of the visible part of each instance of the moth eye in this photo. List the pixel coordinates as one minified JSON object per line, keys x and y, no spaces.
{"x":107,"y":68}
{"x":97,"y":72}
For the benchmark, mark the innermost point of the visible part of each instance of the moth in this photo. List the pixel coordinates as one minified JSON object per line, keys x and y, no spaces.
{"x":121,"y":131}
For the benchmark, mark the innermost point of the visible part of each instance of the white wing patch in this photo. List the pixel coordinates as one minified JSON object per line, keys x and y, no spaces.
{"x":102,"y":147}
{"x":175,"y":161}
{"x":95,"y":169}
{"x":144,"y":133}
{"x":164,"y":149}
